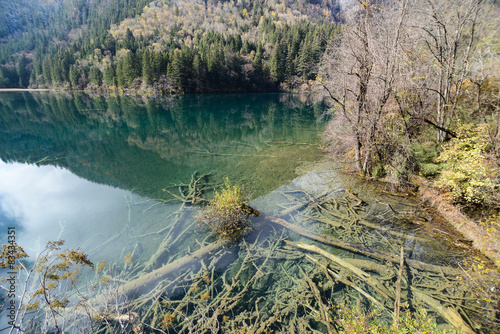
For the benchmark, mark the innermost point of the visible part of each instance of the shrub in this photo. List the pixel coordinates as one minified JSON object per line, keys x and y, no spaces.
{"x":227,"y":215}
{"x":352,"y":320}
{"x":466,"y":172}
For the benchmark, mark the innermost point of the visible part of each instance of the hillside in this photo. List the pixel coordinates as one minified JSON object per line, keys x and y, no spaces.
{"x":166,"y":45}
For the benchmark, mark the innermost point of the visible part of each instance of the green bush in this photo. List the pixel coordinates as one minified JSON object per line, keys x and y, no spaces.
{"x":227,"y":215}
{"x":425,"y":155}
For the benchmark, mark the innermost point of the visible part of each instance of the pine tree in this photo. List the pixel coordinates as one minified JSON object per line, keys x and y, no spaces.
{"x":22,"y":71}
{"x":277,"y":63}
{"x":46,"y":70}
{"x":258,"y":61}
{"x":55,"y":72}
{"x":109,"y":76}
{"x":130,"y":70}
{"x":147,"y":69}
{"x":176,"y":69}
{"x":110,"y":44}
{"x":95,"y":76}
{"x":289,"y":64}
{"x":129,"y":41}
{"x":74,"y":75}
{"x":120,"y":80}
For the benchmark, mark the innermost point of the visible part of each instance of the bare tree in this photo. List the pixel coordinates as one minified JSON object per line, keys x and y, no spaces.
{"x":360,"y":72}
{"x":444,"y":35}
{"x":408,"y":62}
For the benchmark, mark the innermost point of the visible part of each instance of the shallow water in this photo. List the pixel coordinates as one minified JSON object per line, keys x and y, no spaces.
{"x":92,"y":171}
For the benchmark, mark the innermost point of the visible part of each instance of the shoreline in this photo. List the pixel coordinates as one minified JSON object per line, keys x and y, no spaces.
{"x":459,"y":221}
{"x":4,"y":90}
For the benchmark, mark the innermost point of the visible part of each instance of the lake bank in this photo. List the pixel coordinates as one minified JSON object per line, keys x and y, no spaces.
{"x":2,"y":90}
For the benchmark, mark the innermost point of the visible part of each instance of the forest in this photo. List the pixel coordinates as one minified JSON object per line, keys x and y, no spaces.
{"x":413,"y":95}
{"x":165,"y":46}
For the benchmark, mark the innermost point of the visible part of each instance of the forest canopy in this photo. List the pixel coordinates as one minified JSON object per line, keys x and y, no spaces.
{"x":166,"y":45}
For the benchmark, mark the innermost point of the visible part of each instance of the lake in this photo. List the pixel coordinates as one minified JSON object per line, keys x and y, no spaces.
{"x":111,"y":174}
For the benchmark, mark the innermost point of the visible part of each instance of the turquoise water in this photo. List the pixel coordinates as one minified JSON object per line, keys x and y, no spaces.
{"x":81,"y":168}
{"x":105,"y":174}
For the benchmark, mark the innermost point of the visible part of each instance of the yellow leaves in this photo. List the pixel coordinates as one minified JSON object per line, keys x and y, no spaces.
{"x":366,"y":4}
{"x":166,"y":303}
{"x":9,"y":254}
{"x":32,"y":306}
{"x":101,"y":266}
{"x":38,"y":292}
{"x":56,"y":303}
{"x":66,"y":275}
{"x":484,"y":276}
{"x":128,"y":259}
{"x":204,"y":296}
{"x":466,"y":171}
{"x":167,"y":321}
{"x":51,"y":285}
{"x":78,"y":257}
{"x":326,"y":13}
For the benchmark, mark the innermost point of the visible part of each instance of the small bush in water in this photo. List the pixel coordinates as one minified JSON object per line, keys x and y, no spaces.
{"x":227,"y":215}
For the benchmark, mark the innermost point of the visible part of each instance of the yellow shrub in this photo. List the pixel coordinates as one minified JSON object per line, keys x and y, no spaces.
{"x":466,"y":173}
{"x":228,"y":214}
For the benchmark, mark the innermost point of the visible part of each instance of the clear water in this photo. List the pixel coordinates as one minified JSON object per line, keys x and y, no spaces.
{"x":92,"y":171}
{"x":79,"y":168}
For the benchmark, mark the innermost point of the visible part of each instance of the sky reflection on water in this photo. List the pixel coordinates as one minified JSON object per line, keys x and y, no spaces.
{"x":47,"y":203}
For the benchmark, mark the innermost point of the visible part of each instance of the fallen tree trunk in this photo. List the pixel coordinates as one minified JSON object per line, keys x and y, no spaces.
{"x":151,"y":279}
{"x":451,"y":315}
{"x":379,"y":255}
{"x":380,"y":288}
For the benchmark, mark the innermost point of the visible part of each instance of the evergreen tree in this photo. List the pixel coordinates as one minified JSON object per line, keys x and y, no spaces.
{"x":46,"y":70}
{"x":277,"y":63}
{"x":120,"y":80}
{"x":129,"y":41}
{"x":289,"y":63}
{"x":55,"y":72}
{"x":109,"y":76}
{"x":258,"y":61}
{"x":22,"y":71}
{"x":110,"y":44}
{"x":176,"y":69}
{"x":131,"y":69}
{"x":95,"y":76}
{"x":74,"y":75}
{"x":148,"y":71}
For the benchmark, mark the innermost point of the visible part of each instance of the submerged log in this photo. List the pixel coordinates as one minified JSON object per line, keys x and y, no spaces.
{"x":151,"y":279}
{"x":360,"y":273}
{"x":397,"y":302}
{"x":324,"y":310}
{"x":451,"y":315}
{"x":379,"y":255}
{"x":347,"y":282}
